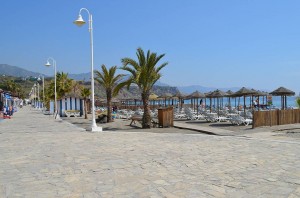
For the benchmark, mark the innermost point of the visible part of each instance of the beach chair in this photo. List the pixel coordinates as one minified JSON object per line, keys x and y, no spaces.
{"x":238,"y":120}
{"x":191,"y":116}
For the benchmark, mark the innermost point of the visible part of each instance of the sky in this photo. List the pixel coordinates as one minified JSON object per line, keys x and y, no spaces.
{"x":215,"y":43}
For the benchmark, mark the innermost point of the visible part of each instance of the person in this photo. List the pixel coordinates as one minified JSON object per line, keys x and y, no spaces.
{"x":5,"y":115}
{"x":255,"y":103}
{"x":11,"y":110}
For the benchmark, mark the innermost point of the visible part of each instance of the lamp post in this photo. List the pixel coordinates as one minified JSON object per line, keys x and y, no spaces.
{"x":55,"y":94}
{"x":79,"y":22}
{"x":31,"y":93}
{"x":38,"y":88}
{"x":34,"y":95}
{"x":43,"y":81}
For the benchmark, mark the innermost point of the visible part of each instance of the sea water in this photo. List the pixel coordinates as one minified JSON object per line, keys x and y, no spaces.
{"x":276,"y":101}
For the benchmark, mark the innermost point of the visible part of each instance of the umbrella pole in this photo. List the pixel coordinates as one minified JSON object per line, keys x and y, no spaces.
{"x":197,"y":106}
{"x":218,"y":106}
{"x":244,"y":106}
{"x":285,"y":102}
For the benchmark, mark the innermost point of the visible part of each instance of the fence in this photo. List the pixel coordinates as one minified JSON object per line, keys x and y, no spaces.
{"x":275,"y":117}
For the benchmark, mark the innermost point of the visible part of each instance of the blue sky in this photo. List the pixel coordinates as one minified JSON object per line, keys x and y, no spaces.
{"x":215,"y":43}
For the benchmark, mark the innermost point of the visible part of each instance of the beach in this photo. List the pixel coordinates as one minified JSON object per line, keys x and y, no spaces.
{"x":291,"y":131}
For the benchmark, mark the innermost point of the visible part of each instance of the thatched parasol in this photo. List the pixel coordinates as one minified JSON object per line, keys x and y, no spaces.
{"x":244,"y":92}
{"x":217,"y":94}
{"x":180,"y":96}
{"x":229,"y":94}
{"x":153,"y":96}
{"x":283,"y":92}
{"x":196,"y":95}
{"x":166,"y":96}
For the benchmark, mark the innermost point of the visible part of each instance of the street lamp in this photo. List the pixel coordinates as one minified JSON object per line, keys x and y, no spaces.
{"x":34,"y":95}
{"x":56,"y":115}
{"x":79,"y":22}
{"x":43,"y":89}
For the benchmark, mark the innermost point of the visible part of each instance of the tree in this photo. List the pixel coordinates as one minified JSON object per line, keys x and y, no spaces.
{"x":109,"y":81}
{"x":76,"y":87}
{"x":63,"y":84}
{"x":298,"y":101}
{"x":85,"y":93}
{"x":144,"y":73}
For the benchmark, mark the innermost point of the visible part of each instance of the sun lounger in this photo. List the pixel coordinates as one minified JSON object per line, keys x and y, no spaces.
{"x":238,"y":120}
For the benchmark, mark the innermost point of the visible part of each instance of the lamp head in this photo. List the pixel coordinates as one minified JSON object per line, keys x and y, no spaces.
{"x":79,"y":22}
{"x":48,"y":64}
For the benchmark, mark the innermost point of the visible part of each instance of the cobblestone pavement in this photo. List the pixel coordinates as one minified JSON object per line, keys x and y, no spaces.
{"x":43,"y":157}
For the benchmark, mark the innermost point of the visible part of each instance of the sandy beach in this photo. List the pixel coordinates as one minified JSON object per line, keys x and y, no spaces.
{"x":291,"y":131}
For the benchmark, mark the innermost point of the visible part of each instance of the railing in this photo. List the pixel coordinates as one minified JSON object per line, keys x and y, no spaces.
{"x":275,"y":117}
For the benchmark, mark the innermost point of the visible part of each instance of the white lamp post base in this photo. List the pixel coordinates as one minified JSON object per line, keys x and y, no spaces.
{"x":57,"y":117}
{"x":95,"y":129}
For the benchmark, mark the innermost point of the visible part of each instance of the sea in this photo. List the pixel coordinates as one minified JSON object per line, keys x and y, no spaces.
{"x":276,"y":101}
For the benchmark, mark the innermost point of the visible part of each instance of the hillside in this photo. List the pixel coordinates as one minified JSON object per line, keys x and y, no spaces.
{"x":159,"y":88}
{"x":15,"y":71}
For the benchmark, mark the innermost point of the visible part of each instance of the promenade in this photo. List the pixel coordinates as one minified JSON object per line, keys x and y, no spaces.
{"x":43,"y":157}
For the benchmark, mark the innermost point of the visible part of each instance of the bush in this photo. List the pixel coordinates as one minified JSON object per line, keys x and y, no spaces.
{"x":298,"y":101}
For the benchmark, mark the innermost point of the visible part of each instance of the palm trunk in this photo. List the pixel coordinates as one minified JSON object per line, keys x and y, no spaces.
{"x":146,"y":117}
{"x":85,"y":109}
{"x":108,"y":97}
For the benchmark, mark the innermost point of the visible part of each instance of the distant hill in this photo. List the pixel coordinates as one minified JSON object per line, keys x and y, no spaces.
{"x":15,"y":71}
{"x":81,"y":77}
{"x":159,"y":88}
{"x":192,"y":88}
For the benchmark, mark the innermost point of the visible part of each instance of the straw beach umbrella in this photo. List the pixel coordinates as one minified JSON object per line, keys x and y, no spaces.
{"x":166,"y":96}
{"x":207,"y":95}
{"x":218,"y":94}
{"x":244,"y":92}
{"x":258,"y":94}
{"x":283,"y":92}
{"x":229,"y":95}
{"x":180,"y":97}
{"x":196,"y":95}
{"x":153,"y":97}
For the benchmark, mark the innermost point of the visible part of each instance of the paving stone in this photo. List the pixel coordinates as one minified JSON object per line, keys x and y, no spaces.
{"x":43,"y":157}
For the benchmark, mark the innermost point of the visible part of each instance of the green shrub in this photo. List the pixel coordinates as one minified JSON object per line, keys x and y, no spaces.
{"x":298,"y":101}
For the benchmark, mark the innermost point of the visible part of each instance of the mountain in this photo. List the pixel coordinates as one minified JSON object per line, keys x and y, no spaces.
{"x":192,"y":88}
{"x":81,"y":77}
{"x":15,"y":71}
{"x":160,"y":88}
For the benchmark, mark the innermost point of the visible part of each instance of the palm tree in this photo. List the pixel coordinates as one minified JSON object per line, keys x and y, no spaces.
{"x":85,"y":93}
{"x":63,"y":83}
{"x":144,"y":74}
{"x":76,"y":87}
{"x":110,"y":81}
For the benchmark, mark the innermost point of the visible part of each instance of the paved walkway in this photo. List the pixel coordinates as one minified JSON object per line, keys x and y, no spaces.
{"x":204,"y":129}
{"x":42,"y":157}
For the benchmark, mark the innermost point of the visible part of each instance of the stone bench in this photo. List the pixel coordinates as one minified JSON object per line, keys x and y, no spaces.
{"x":72,"y":113}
